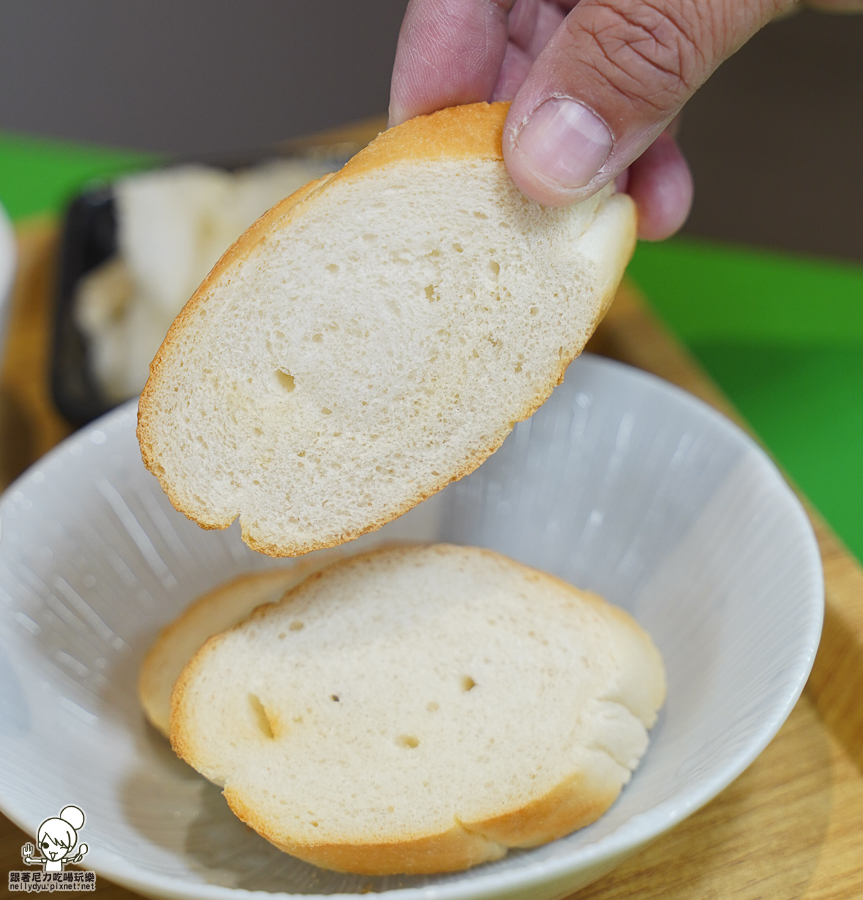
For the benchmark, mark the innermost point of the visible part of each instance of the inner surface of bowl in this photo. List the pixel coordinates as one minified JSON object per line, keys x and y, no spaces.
{"x":619,"y":484}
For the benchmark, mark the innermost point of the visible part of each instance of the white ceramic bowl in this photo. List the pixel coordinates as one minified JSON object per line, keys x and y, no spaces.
{"x":621,"y":484}
{"x":7,"y":272}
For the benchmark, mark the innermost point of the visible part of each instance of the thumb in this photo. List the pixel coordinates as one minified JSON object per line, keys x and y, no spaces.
{"x":610,"y":80}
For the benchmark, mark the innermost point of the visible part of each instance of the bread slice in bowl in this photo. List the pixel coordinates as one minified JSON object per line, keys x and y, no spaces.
{"x":218,"y":609}
{"x":421,"y":709}
{"x":375,"y":336}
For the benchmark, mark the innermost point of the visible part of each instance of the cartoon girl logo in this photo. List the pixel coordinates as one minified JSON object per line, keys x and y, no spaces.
{"x":57,"y":838}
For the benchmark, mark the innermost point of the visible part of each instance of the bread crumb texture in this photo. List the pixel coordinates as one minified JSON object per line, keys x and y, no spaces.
{"x":436,"y":706}
{"x":376,"y":336}
{"x":211,"y":613}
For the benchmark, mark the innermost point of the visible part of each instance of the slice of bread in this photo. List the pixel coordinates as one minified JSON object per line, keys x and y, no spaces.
{"x":420,"y":710}
{"x":375,"y":336}
{"x":211,"y":613}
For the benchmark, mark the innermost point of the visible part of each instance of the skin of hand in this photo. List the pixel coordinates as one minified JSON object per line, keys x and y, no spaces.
{"x":595,"y":85}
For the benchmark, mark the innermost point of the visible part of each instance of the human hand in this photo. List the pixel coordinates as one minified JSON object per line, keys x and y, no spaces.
{"x":595,"y":85}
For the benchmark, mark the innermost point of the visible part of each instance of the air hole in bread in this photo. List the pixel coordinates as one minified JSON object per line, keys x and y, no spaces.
{"x":296,"y":625}
{"x":494,"y":267}
{"x":317,"y":338}
{"x":332,"y":267}
{"x":467,"y":683}
{"x":534,"y":310}
{"x":262,"y":718}
{"x":431,"y":707}
{"x":408,"y":740}
{"x":430,"y":293}
{"x":286,"y":381}
{"x":458,"y":248}
{"x":326,"y":411}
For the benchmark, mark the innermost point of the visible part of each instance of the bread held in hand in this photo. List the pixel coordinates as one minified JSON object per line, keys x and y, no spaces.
{"x":376,"y":336}
{"x":420,"y":710}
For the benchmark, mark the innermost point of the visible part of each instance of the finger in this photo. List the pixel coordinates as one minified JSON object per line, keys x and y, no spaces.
{"x":513,"y":71}
{"x":660,"y":183}
{"x":521,"y":23}
{"x":608,"y":83}
{"x":547,"y":19}
{"x":449,"y":52}
{"x":531,"y":24}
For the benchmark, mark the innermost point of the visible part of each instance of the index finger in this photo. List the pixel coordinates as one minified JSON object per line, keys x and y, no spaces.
{"x":449,"y":52}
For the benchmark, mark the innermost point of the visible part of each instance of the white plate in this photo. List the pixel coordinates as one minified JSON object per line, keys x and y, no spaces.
{"x":620,"y":483}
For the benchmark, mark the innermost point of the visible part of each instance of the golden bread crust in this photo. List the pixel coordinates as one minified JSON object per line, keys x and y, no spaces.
{"x":450,"y":851}
{"x":569,"y":806}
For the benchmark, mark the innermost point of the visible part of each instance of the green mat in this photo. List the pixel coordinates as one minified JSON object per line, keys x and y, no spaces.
{"x":783,"y":336}
{"x":711,"y":292}
{"x":38,"y":175}
{"x":807,"y":406}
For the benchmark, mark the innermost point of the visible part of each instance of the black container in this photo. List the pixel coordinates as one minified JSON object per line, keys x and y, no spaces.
{"x":89,"y":237}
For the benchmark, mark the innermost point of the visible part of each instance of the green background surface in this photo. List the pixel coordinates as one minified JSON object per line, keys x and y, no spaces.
{"x":39,"y":175}
{"x":782,"y":335}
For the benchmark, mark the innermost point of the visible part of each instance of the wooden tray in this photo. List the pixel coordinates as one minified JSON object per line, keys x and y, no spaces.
{"x":790,"y":827}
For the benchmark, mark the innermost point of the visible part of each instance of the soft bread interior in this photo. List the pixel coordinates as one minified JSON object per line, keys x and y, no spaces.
{"x":421,"y":710}
{"x":379,"y":345}
{"x":214,"y":611}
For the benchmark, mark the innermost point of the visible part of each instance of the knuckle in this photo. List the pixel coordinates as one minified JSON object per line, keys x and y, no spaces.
{"x":649,"y":51}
